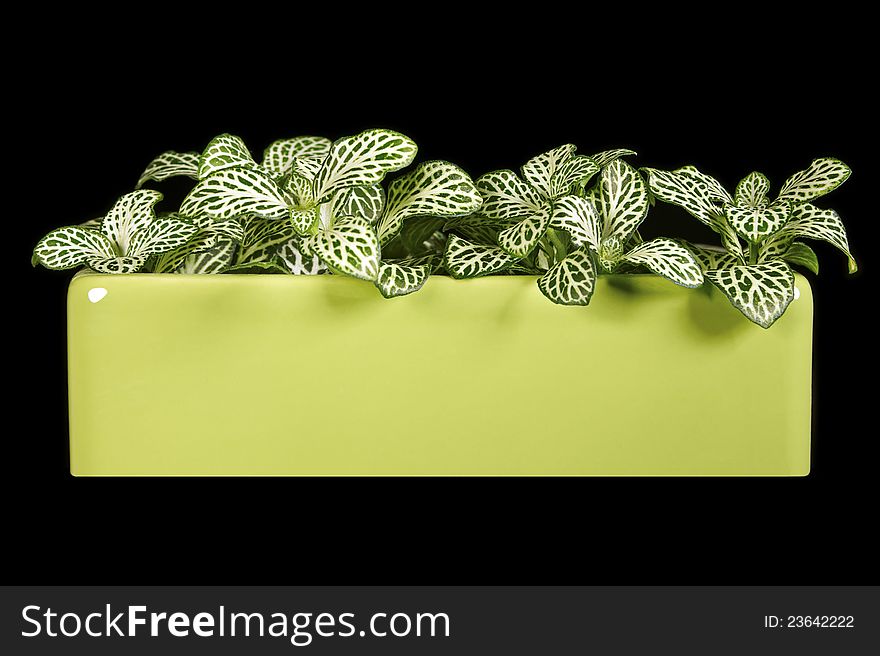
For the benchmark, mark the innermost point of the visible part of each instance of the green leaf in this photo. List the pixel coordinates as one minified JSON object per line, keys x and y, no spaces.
{"x":223,"y":152}
{"x":424,"y":235}
{"x":605,"y":158}
{"x":172,"y":260}
{"x":307,"y":167}
{"x":161,"y":235}
{"x":506,"y":196}
{"x":117,"y":265}
{"x":540,"y":171}
{"x":477,"y":228}
{"x":570,"y":281}
{"x":578,"y":217}
{"x":522,"y":237}
{"x":668,"y":259}
{"x":363,"y":160}
{"x":279,"y":157}
{"x":623,"y":200}
{"x":73,"y":246}
{"x":712,"y":257}
{"x":802,"y":255}
{"x":228,"y":227}
{"x":822,"y":176}
{"x":401,"y":277}
{"x":130,"y":214}
{"x":760,"y":291}
{"x":363,"y":202}
{"x":713,"y":189}
{"x":170,"y":164}
{"x":350,"y":246}
{"x":577,"y":170}
{"x":435,"y":188}
{"x":755,"y":224}
{"x":752,"y":190}
{"x":809,"y":222}
{"x":214,"y":260}
{"x":262,"y":238}
{"x":466,"y":260}
{"x":256,"y":267}
{"x":304,"y":221}
{"x":232,"y":193}
{"x":290,"y":255}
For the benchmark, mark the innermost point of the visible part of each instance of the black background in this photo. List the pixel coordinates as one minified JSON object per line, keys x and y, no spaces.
{"x":99,"y":103}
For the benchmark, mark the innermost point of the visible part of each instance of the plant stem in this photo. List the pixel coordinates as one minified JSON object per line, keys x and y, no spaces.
{"x":753,"y":253}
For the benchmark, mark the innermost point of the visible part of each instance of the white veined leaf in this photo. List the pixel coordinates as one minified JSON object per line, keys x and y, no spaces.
{"x":161,"y":235}
{"x":307,"y":167}
{"x":578,"y":217}
{"x":539,"y":171}
{"x":402,"y":277}
{"x":463,"y":259}
{"x":280,"y":155}
{"x":754,"y":224}
{"x":225,"y":151}
{"x":130,"y":214}
{"x":262,"y":238}
{"x":215,"y":260}
{"x":363,"y":160}
{"x":228,"y":228}
{"x":232,"y":193}
{"x":477,"y":228}
{"x":304,"y":221}
{"x":761,"y":292}
{"x":623,"y":200}
{"x":172,"y":260}
{"x":297,"y":190}
{"x":752,"y":190}
{"x":69,"y":247}
{"x":809,"y":222}
{"x":802,"y":255}
{"x":255,"y":267}
{"x":114,"y":265}
{"x":713,"y":189}
{"x":605,"y":158}
{"x":350,"y":246}
{"x":577,"y":170}
{"x":571,"y":281}
{"x":170,"y":164}
{"x":364,"y":202}
{"x":298,"y":263}
{"x":668,"y":259}
{"x":522,"y":237}
{"x":822,"y":176}
{"x":435,"y":188}
{"x":712,"y":257}
{"x":506,"y":196}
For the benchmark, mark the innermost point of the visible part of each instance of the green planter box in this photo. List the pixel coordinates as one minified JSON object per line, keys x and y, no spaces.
{"x":297,"y":375}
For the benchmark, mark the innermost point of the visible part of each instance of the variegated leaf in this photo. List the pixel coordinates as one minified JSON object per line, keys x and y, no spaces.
{"x":262,"y":238}
{"x":304,"y":221}
{"x":539,"y":171}
{"x":280,"y":155}
{"x":130,"y":214}
{"x":802,"y":255}
{"x":73,"y":246}
{"x":296,"y":262}
{"x":211,"y":261}
{"x":297,"y":190}
{"x":466,"y":260}
{"x":754,"y":224}
{"x":364,"y":202}
{"x":116,"y":265}
{"x":350,"y":246}
{"x":435,"y":188}
{"x":623,"y":200}
{"x":605,"y":158}
{"x":760,"y":291}
{"x":506,"y":196}
{"x":610,"y":253}
{"x":752,"y":190}
{"x":170,"y":164}
{"x":255,"y":267}
{"x":477,"y":228}
{"x":225,"y":151}
{"x":570,"y":281}
{"x":236,"y":192}
{"x":161,"y":235}
{"x":401,"y":277}
{"x":809,"y":222}
{"x":710,"y":187}
{"x":363,"y":160}
{"x":822,"y":176}
{"x":712,"y":257}
{"x":307,"y":167}
{"x":668,"y":259}
{"x":172,"y":260}
{"x":579,"y":219}
{"x":424,"y":235}
{"x":578,"y":170}
{"x":522,"y":237}
{"x":228,"y":228}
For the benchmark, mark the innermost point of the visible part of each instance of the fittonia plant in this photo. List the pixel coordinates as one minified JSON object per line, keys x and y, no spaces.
{"x":760,"y":238}
{"x":314,"y":206}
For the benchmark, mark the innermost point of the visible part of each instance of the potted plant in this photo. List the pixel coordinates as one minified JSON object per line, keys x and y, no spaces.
{"x":305,"y":369}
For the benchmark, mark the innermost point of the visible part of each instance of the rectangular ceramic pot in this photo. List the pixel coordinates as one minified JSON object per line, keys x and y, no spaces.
{"x":298,"y":375}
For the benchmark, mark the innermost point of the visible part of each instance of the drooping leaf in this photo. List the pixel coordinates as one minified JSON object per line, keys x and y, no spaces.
{"x":402,"y":277}
{"x":161,"y":235}
{"x":756,"y":223}
{"x":477,"y":228}
{"x":571,"y":281}
{"x":435,"y":188}
{"x":115,"y":265}
{"x":262,"y":238}
{"x":539,"y":171}
{"x":350,"y":246}
{"x":523,"y":236}
{"x":364,"y":202}
{"x":225,"y":151}
{"x":211,"y":261}
{"x":669,"y":259}
{"x":280,"y":155}
{"x":72,"y":246}
{"x":130,"y":214}
{"x":800,"y":254}
{"x":712,"y":257}
{"x":578,"y":217}
{"x":760,"y":291}
{"x":822,"y":176}
{"x":255,"y":267}
{"x":172,"y":260}
{"x":709,"y":186}
{"x":623,"y":200}
{"x":506,"y":196}
{"x":296,"y":262}
{"x":363,"y":160}
{"x":577,"y":170}
{"x":170,"y":164}
{"x":605,"y":158}
{"x":752,"y":190}
{"x":464,"y":259}
{"x":228,"y":228}
{"x":809,"y":222}
{"x":235,"y":192}
{"x":307,"y":167}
